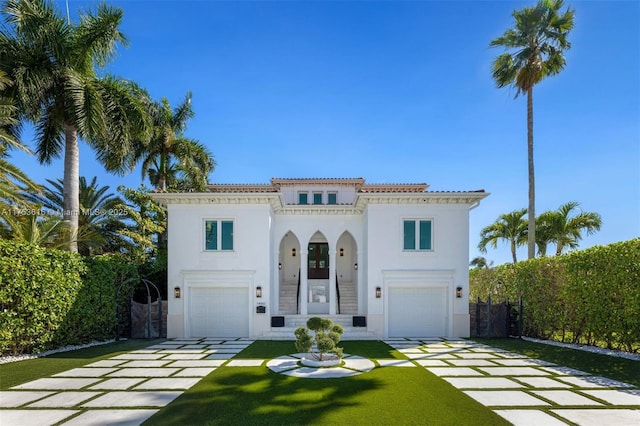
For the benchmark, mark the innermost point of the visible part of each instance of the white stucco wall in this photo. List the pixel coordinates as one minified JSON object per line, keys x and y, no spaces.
{"x":251,"y":255}
{"x":373,"y":240}
{"x":384,"y":248}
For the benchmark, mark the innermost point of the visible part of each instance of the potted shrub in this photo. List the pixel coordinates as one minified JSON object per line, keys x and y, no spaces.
{"x":326,"y":336}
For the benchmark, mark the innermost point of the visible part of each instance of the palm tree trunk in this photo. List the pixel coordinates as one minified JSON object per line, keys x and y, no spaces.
{"x":71,"y":189}
{"x":531,"y":239}
{"x":513,"y":251}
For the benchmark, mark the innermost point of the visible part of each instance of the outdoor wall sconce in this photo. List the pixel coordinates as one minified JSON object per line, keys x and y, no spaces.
{"x":293,"y":252}
{"x":176,"y":292}
{"x":355,"y":266}
{"x":258,"y":292}
{"x":341,"y":252}
{"x":378,"y":292}
{"x":280,"y":265}
{"x":459,"y":292}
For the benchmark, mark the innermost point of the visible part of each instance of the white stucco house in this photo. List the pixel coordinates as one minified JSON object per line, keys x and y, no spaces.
{"x":384,"y":260}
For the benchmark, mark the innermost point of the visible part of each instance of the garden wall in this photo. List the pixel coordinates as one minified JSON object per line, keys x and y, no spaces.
{"x":590,"y":296}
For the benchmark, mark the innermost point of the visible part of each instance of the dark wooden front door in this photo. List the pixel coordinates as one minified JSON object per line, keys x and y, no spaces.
{"x":318,"y":261}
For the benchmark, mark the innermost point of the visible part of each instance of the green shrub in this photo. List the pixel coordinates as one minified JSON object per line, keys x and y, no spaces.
{"x":51,"y":298}
{"x":590,"y":296}
{"x":38,"y":290}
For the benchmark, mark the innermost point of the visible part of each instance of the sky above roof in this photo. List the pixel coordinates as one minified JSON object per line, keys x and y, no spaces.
{"x":394,"y":92}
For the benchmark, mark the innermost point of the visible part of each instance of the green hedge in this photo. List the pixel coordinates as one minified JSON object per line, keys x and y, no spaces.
{"x":590,"y":296}
{"x":51,"y":298}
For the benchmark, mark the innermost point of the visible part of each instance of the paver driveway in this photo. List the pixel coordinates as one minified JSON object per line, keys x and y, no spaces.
{"x":129,"y":388}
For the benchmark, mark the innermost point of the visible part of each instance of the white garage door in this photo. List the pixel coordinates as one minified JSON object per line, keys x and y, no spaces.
{"x":417,"y":312}
{"x":219,"y":312}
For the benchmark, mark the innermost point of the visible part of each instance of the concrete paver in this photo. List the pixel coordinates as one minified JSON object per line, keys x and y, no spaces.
{"x":133,"y":399}
{"x":617,"y":397}
{"x":10,"y":399}
{"x":565,"y":397}
{"x":117,"y":384}
{"x":57,"y":384}
{"x":482,"y":382}
{"x":600,"y":417}
{"x":500,"y":398}
{"x":64,"y":399}
{"x":529,"y":418}
{"x":115,"y":390}
{"x":33,"y":417}
{"x":111,"y":417}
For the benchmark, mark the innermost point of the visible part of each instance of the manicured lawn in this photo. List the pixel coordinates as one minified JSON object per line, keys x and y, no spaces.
{"x":384,"y":396}
{"x":625,"y":370}
{"x":15,"y":373}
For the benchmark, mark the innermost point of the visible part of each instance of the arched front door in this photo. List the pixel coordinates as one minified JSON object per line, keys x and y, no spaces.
{"x":318,"y":261}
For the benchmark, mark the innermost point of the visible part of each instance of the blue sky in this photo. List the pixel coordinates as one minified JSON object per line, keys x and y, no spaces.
{"x":393,"y":91}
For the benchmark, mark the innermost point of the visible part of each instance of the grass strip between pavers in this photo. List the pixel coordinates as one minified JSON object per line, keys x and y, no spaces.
{"x":383,"y":396}
{"x":621,"y":369}
{"x":19,"y":372}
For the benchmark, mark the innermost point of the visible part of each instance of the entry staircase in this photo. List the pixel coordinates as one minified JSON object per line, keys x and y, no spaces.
{"x":291,"y":322}
{"x":289,"y":293}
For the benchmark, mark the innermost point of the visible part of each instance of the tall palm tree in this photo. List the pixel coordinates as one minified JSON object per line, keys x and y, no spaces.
{"x":53,"y":64}
{"x":511,"y":227}
{"x":12,"y":180}
{"x":535,"y":48}
{"x":171,"y":160}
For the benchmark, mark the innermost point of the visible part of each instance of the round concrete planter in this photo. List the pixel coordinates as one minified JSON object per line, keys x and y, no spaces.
{"x":330,"y":361}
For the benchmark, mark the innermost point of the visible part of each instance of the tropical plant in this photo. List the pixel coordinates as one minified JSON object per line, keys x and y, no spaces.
{"x":171,"y":160}
{"x":511,"y":227}
{"x":99,"y":216}
{"x":480,"y":262}
{"x":565,"y":230}
{"x":53,"y":64}
{"x":535,"y":48}
{"x":326,"y":336}
{"x":12,"y":180}
{"x":144,"y":221}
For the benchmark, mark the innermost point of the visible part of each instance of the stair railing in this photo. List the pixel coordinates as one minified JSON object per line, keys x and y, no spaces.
{"x":298,"y":294}
{"x":337,"y":294}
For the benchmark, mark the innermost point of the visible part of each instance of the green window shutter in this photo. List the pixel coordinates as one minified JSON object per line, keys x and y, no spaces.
{"x":227,"y":235}
{"x":317,"y":198}
{"x":425,"y":235}
{"x":211,"y":235}
{"x":409,"y":235}
{"x":302,"y":198}
{"x":333,"y":198}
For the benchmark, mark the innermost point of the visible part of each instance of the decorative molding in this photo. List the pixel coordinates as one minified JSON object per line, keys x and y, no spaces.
{"x":274,"y":199}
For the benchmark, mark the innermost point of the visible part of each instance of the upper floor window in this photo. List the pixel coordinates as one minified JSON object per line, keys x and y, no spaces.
{"x":332,"y":198}
{"x":417,"y":235}
{"x":303,"y":198}
{"x":218,"y":235}
{"x":317,"y":198}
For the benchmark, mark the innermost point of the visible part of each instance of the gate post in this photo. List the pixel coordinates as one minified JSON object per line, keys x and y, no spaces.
{"x":489,"y":314}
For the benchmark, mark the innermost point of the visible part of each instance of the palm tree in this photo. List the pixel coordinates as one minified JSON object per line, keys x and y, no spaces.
{"x":544,"y":231}
{"x":12,"y":180}
{"x":53,"y":64}
{"x":566,"y":230}
{"x":98,"y":216}
{"x":171,"y":160}
{"x":535,"y":48}
{"x":480,"y":262}
{"x":511,"y":227}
